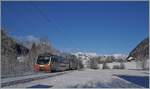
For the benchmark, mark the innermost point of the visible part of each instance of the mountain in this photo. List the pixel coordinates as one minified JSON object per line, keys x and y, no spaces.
{"x":85,"y":55}
{"x":90,"y":55}
{"x":120,"y":56}
{"x":141,"y":51}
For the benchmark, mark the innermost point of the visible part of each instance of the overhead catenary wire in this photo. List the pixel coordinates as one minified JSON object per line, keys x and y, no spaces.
{"x":50,"y":21}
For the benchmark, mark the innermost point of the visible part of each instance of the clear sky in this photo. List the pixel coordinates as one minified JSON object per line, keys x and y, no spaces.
{"x":101,"y":27}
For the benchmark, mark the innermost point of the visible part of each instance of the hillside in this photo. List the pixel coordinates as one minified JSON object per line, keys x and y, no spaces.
{"x":10,"y":47}
{"x":10,"y":50}
{"x":141,"y":51}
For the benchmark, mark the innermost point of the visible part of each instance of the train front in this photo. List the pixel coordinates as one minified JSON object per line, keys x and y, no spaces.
{"x":43,"y":63}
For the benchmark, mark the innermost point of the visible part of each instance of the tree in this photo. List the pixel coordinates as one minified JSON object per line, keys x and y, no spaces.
{"x":105,"y":66}
{"x":122,"y":66}
{"x":73,"y":61}
{"x":94,"y":63}
{"x":109,"y":59}
{"x":33,"y":53}
{"x":80,"y":64}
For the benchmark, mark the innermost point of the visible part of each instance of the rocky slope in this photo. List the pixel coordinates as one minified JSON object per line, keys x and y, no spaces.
{"x":141,"y":51}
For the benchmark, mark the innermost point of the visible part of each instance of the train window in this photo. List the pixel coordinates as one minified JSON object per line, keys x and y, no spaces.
{"x":57,"y":59}
{"x":43,"y":60}
{"x":54,"y":59}
{"x":63,"y":60}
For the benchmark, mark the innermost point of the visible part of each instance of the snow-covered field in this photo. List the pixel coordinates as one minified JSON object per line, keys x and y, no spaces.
{"x":89,"y":78}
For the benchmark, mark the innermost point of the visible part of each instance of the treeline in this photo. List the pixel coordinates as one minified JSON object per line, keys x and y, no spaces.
{"x":104,"y":60}
{"x":74,"y":62}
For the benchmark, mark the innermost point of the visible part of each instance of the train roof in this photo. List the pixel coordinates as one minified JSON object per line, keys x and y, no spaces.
{"x":47,"y":54}
{"x":50,"y":55}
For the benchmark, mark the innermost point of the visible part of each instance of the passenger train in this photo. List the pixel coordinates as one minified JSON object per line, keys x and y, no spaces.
{"x":50,"y":63}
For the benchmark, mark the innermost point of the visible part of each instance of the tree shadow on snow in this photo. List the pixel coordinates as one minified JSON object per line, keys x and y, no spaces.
{"x":139,"y":80}
{"x":40,"y":86}
{"x":114,"y":83}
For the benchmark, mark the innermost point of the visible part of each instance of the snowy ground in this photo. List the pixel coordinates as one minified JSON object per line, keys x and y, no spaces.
{"x":89,"y":78}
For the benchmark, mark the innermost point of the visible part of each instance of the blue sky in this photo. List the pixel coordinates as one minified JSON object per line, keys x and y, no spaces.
{"x":101,"y":27}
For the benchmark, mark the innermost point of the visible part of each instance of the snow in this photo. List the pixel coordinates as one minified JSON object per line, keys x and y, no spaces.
{"x":89,"y":78}
{"x":117,"y":56}
{"x":85,"y":55}
{"x":89,"y":54}
{"x":3,"y":80}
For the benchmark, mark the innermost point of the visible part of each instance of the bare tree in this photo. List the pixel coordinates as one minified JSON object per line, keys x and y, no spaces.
{"x":122,"y":66}
{"x":105,"y":66}
{"x":94,"y":63}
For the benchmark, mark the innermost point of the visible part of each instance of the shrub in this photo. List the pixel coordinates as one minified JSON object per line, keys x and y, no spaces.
{"x":105,"y":66}
{"x":94,"y":64}
{"x":116,"y":67}
{"x":122,"y":66}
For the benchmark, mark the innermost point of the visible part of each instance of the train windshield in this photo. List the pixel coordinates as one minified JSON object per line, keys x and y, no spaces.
{"x":43,"y":60}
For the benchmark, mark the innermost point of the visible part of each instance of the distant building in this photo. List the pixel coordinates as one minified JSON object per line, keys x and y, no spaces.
{"x":130,"y":59}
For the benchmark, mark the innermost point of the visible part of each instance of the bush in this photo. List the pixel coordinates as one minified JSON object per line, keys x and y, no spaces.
{"x":80,"y":64}
{"x":94,"y":63}
{"x":121,"y":66}
{"x":116,"y":67}
{"x":105,"y":66}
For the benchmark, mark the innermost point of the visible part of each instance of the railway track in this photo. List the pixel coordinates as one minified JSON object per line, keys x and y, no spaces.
{"x":14,"y":81}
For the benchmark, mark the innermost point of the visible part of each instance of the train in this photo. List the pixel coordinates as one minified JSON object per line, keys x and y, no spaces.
{"x":51,"y":63}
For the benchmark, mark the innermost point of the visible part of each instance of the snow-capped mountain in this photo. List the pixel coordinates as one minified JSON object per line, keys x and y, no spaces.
{"x":120,"y":56}
{"x":117,"y":55}
{"x":85,"y":55}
